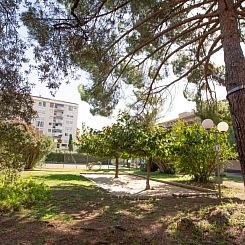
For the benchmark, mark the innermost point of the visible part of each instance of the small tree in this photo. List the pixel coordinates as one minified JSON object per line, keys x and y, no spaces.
{"x":108,"y":142}
{"x":194,"y":154}
{"x":144,"y":140}
{"x":152,"y":146}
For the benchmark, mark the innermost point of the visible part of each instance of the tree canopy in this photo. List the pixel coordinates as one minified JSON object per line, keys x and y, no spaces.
{"x":133,"y":43}
{"x":15,"y":98}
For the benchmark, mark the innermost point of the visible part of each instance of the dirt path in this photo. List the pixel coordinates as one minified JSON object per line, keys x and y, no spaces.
{"x":135,"y":186}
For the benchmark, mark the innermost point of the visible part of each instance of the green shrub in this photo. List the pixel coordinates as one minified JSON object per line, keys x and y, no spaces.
{"x":193,"y":151}
{"x":21,"y":146}
{"x":154,"y":167}
{"x":19,"y":194}
{"x":37,"y":152}
{"x":166,"y":166}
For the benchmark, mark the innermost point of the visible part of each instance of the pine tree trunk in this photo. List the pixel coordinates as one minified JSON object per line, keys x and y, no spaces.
{"x":149,"y":163}
{"x":235,"y":73}
{"x":116,"y":174}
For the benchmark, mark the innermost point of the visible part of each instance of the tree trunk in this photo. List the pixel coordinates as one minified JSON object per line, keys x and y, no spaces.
{"x":116,"y":174}
{"x":128,"y":164}
{"x":235,"y":73}
{"x":149,"y":162}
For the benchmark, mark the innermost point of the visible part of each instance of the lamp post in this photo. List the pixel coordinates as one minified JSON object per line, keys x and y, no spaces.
{"x":222,"y":127}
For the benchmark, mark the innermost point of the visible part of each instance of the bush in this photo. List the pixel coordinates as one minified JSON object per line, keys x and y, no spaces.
{"x":19,"y":194}
{"x":194,"y":154}
{"x":21,"y":146}
{"x":37,"y":152}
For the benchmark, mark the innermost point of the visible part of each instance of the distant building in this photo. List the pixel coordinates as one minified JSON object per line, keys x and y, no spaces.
{"x":56,"y":118}
{"x":188,"y":117}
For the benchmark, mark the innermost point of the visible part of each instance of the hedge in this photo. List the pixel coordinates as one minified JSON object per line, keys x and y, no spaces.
{"x":70,"y":157}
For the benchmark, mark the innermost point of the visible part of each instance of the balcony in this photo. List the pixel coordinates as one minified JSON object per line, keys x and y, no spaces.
{"x":57,"y":134}
{"x":58,"y":121}
{"x":59,"y":107}
{"x":58,"y":127}
{"x":58,"y":114}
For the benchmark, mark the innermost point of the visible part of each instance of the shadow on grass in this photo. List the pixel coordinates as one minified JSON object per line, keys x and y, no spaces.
{"x":67,"y":200}
{"x":99,"y":217}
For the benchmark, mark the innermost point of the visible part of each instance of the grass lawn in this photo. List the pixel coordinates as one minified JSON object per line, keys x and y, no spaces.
{"x":237,"y":179}
{"x":81,"y":213}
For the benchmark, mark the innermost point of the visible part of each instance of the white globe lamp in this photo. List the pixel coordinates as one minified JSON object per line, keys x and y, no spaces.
{"x":223,"y":127}
{"x":207,"y":124}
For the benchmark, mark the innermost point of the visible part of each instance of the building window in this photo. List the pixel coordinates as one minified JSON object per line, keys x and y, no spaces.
{"x":49,"y":130}
{"x":42,"y":103}
{"x":50,"y":123}
{"x":40,"y":124}
{"x":70,"y":108}
{"x":70,"y":116}
{"x":69,"y":122}
{"x":52,"y":105}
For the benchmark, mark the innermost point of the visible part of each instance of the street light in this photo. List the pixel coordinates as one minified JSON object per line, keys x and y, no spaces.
{"x":222,"y":127}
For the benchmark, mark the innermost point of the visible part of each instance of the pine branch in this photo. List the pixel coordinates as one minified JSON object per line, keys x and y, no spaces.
{"x":207,"y":62}
{"x":188,"y":20}
{"x":194,"y":66}
{"x":155,"y":14}
{"x":206,"y":34}
{"x":175,"y":38}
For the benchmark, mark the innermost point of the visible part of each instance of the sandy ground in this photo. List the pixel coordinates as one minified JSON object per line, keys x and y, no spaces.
{"x":135,"y":186}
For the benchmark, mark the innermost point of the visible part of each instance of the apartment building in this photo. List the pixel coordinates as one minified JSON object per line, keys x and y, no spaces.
{"x":56,"y":118}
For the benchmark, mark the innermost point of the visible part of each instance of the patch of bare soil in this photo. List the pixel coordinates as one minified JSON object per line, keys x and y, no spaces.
{"x":131,"y":185}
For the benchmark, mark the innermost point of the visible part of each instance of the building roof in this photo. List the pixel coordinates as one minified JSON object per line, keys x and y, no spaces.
{"x":53,"y":100}
{"x":186,"y":116}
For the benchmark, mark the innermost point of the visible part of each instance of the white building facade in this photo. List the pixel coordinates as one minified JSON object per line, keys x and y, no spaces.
{"x":56,"y":119}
